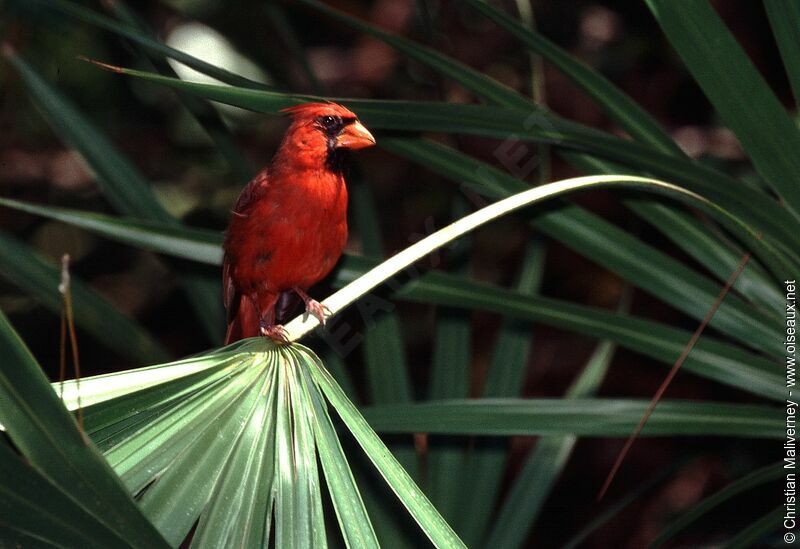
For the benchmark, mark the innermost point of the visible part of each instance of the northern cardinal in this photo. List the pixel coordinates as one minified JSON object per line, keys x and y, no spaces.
{"x":289,"y":225}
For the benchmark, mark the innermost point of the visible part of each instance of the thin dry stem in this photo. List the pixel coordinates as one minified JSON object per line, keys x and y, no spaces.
{"x":68,"y":326}
{"x":672,"y":373}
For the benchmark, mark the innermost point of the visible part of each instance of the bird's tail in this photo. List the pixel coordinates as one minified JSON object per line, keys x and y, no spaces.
{"x":244,"y":323}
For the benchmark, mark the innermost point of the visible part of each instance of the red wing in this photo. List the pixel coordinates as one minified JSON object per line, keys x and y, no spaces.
{"x":230,"y":294}
{"x":243,"y":311}
{"x":250,"y":192}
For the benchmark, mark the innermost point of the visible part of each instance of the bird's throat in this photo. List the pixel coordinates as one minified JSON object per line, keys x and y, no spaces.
{"x":337,"y":160}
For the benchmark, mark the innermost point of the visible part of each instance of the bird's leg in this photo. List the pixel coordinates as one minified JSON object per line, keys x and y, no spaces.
{"x":313,"y":306}
{"x":275,"y":332}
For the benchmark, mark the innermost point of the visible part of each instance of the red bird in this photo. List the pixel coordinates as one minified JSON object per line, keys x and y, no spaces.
{"x":289,"y":226}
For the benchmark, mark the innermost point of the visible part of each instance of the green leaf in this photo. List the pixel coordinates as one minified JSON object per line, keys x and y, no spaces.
{"x":750,"y":536}
{"x":40,"y":278}
{"x":40,"y":509}
{"x":701,"y":241}
{"x":687,"y":518}
{"x":763,"y":212}
{"x":17,"y":538}
{"x":122,"y":184}
{"x":143,"y":38}
{"x":579,"y":538}
{"x":113,"y":418}
{"x":616,"y":104}
{"x":619,"y":105}
{"x":285,"y":523}
{"x":784,"y":18}
{"x":662,"y":276}
{"x":384,"y":352}
{"x":204,"y":246}
{"x":486,"y":460}
{"x":353,"y":519}
{"x":336,"y":366}
{"x":471,"y":79}
{"x":141,"y":451}
{"x":450,"y":377}
{"x":218,"y":424}
{"x":100,"y":389}
{"x":235,"y":517}
{"x":451,"y":365}
{"x":206,"y":116}
{"x":125,"y":188}
{"x":431,"y":522}
{"x":510,"y":357}
{"x":545,"y":463}
{"x":47,"y":436}
{"x":711,"y":358}
{"x":294,"y":518}
{"x":699,"y":238}
{"x":199,"y":245}
{"x":283,"y":26}
{"x":604,"y":243}
{"x":588,"y":417}
{"x":307,"y":496}
{"x":740,"y":95}
{"x":387,"y":371}
{"x":300,"y":326}
{"x":181,"y":492}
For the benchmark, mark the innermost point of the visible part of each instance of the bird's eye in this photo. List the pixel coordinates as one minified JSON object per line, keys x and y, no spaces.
{"x":328,"y":122}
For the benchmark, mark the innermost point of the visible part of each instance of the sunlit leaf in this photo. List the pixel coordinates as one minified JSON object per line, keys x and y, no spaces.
{"x":740,"y":95}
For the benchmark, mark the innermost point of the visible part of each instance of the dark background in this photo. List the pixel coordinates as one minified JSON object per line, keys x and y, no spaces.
{"x":621,"y":39}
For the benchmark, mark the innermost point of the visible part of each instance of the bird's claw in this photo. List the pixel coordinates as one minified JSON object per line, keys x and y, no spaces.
{"x":275,"y":332}
{"x":320,"y":311}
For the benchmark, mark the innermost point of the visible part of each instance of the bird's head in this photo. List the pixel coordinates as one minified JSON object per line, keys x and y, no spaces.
{"x":322,"y":132}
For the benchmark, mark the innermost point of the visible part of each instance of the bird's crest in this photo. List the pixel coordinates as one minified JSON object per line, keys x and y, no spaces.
{"x":318,"y":109}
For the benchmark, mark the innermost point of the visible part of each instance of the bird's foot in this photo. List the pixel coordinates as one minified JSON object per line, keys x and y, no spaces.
{"x":320,"y":311}
{"x":275,"y":332}
{"x":314,"y":307}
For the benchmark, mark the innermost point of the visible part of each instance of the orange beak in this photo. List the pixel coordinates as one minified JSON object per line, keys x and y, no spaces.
{"x":355,"y":136}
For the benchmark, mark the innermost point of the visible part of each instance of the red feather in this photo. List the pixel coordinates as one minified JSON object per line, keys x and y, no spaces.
{"x":289,"y":225}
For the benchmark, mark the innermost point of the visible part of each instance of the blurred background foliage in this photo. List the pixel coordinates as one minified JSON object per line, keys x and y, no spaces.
{"x":295,"y":48}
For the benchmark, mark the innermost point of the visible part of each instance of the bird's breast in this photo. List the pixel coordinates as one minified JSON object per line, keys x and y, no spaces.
{"x":292,"y":236}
